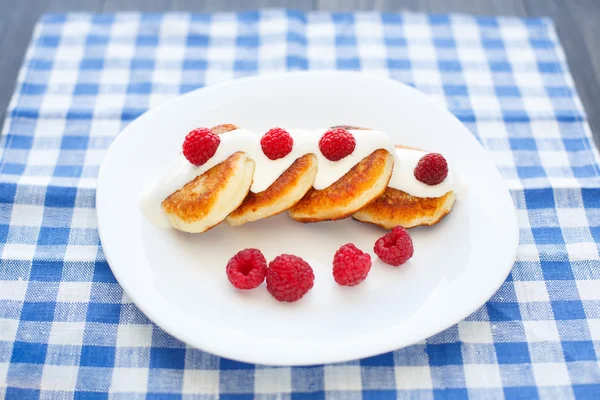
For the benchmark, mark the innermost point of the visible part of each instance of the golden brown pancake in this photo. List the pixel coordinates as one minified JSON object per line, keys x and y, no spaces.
{"x":223,"y":128}
{"x":366,"y":181}
{"x":396,"y":207}
{"x":286,"y":191}
{"x":209,"y":198}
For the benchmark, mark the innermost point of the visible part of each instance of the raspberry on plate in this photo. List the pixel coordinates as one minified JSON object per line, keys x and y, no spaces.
{"x":289,"y":278}
{"x":247,"y":269}
{"x":276,"y":143}
{"x":200,"y":145}
{"x":431,"y":169}
{"x":350,"y":265}
{"x":395,"y":248}
{"x":336,"y":144}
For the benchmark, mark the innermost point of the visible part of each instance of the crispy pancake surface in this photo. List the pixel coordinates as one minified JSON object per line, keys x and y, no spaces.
{"x":366,"y":181}
{"x":286,"y":191}
{"x":208,"y":199}
{"x":396,"y":207}
{"x":223,"y":128}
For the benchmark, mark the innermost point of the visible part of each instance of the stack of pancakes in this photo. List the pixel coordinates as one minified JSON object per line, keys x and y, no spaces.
{"x":223,"y":193}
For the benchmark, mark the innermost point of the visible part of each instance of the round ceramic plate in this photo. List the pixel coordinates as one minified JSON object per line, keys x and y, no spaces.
{"x":178,"y":280}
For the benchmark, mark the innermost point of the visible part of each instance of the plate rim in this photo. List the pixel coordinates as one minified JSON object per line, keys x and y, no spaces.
{"x":156,"y":318}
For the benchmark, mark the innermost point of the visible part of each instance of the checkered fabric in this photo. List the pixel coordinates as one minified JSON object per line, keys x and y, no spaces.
{"x":67,"y":330}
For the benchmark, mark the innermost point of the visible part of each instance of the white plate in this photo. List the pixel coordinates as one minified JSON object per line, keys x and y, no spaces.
{"x":178,"y":280}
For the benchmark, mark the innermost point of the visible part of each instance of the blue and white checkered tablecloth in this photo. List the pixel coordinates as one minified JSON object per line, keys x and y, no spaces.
{"x":67,"y":330}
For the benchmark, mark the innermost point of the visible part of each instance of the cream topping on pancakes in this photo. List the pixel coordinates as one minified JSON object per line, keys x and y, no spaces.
{"x":403,"y":176}
{"x":267,"y":171}
{"x":328,"y":172}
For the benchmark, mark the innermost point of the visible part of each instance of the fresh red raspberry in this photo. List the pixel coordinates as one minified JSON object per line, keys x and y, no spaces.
{"x":350,"y":265}
{"x":200,"y":145}
{"x":247,"y":269}
{"x":431,"y":169}
{"x":289,"y":278}
{"x":395,"y":248}
{"x":276,"y":143}
{"x":336,"y":144}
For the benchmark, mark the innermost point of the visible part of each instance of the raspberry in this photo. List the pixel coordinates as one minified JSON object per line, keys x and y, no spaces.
{"x":276,"y":143}
{"x":336,"y":144}
{"x":289,"y":278}
{"x":200,"y":145}
{"x":395,"y":248}
{"x":350,"y":265}
{"x":431,"y":169}
{"x":247,"y":269}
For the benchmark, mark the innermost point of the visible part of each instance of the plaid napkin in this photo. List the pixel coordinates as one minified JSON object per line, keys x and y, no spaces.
{"x":67,"y":330}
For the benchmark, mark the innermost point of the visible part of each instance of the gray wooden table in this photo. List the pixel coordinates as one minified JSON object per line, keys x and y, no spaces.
{"x":577,"y":22}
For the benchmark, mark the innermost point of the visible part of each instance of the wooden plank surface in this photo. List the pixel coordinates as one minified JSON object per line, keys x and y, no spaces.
{"x":576,"y":23}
